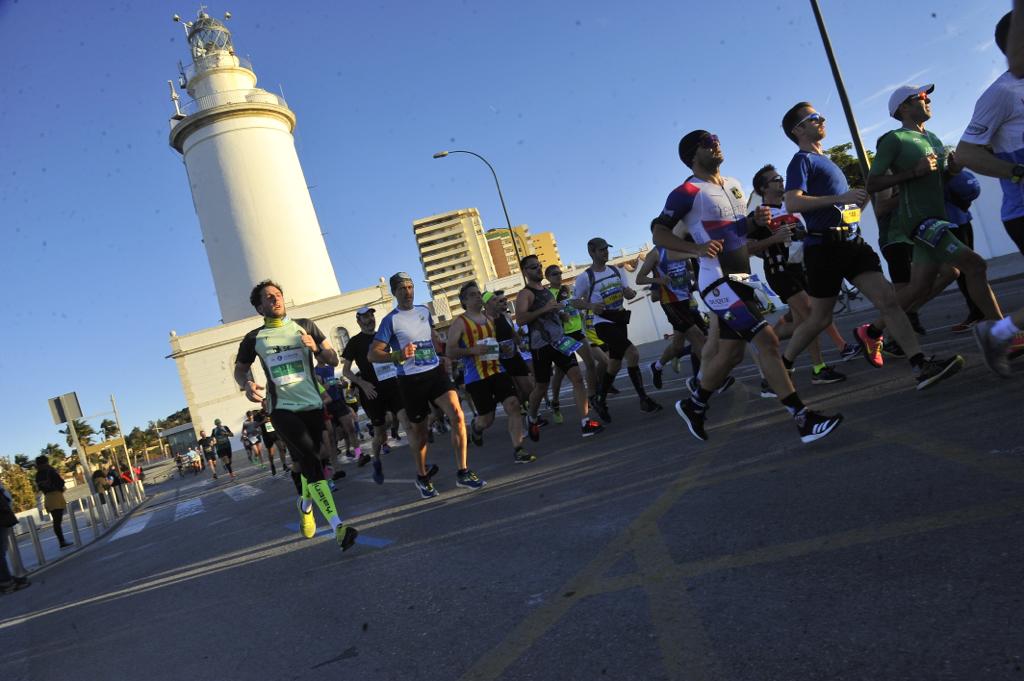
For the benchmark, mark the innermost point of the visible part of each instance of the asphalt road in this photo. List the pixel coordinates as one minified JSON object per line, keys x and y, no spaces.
{"x":890,"y":550}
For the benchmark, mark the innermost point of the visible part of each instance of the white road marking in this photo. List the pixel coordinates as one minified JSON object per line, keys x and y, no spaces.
{"x":239,"y":492}
{"x":188,"y":508}
{"x":133,"y":526}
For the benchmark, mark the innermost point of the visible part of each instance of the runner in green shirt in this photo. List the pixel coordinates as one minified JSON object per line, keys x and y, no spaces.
{"x":914,"y":159}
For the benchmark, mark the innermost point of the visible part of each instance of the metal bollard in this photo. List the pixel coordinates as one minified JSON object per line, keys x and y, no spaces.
{"x":35,"y":540}
{"x":18,"y":567}
{"x":74,"y":526}
{"x":112,"y":502}
{"x":133,"y":492}
{"x":93,"y":520}
{"x":81,"y":504}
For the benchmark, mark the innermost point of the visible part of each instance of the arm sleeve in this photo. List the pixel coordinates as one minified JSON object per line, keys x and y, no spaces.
{"x":797,"y":173}
{"x":990,"y":112}
{"x":888,"y":149}
{"x":247,"y":349}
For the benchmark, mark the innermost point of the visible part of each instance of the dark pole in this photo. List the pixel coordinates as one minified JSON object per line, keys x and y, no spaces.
{"x":501,"y":197}
{"x":858,"y":145}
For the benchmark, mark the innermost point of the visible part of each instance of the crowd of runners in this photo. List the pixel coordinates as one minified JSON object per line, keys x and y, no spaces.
{"x":517,"y":353}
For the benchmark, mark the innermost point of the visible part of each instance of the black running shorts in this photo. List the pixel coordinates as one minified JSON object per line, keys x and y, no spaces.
{"x":387,"y":400}
{"x":515,"y":366}
{"x":898,"y":258}
{"x":418,"y":390}
{"x":489,"y":392}
{"x":615,"y":338}
{"x":544,"y":357}
{"x":788,"y":282}
{"x":827,"y":264}
{"x":681,"y":316}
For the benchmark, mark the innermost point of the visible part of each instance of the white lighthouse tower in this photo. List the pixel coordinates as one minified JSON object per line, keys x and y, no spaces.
{"x":254,"y":208}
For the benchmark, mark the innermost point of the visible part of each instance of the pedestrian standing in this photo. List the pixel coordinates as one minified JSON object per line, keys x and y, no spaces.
{"x":8,"y":520}
{"x":50,"y":483}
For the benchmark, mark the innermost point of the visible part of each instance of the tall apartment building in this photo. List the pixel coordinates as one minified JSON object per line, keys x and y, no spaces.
{"x":503,"y":252}
{"x":453,"y":250}
{"x":546,"y":248}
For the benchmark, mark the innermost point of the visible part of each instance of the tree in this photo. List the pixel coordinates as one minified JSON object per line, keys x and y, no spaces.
{"x":57,"y":457}
{"x":21,"y":460}
{"x":17,"y":481}
{"x":840,"y":155}
{"x":83,"y":430}
{"x":108,"y":428}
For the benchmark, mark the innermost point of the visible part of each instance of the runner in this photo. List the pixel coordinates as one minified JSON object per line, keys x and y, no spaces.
{"x":251,"y":439}
{"x":537,"y":307}
{"x":209,"y":453}
{"x":961,"y":191}
{"x":496,"y":308}
{"x":771,"y":243}
{"x":221,"y":440}
{"x":377,"y":385}
{"x":269,"y":440}
{"x":572,"y":326}
{"x":919,"y":167}
{"x":710,"y":208}
{"x":603,"y":289}
{"x":671,"y":278}
{"x":286,"y":349}
{"x":834,"y":250}
{"x":471,"y":339}
{"x":406,"y":337}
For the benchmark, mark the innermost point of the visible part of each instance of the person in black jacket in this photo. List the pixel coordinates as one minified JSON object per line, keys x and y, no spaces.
{"x":50,"y":483}
{"x":8,"y":582}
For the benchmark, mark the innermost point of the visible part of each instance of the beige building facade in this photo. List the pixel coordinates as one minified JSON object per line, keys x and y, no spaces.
{"x":503,"y":251}
{"x":453,"y":251}
{"x":546,"y":249}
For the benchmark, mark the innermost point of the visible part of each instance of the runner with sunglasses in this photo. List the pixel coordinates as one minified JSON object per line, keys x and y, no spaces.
{"x":834,"y":250}
{"x":711,"y":209}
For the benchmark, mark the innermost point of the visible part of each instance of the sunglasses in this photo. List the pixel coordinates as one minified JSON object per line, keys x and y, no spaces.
{"x":776,"y":180}
{"x":923,"y":96}
{"x":813,"y":117}
{"x":708,"y":141}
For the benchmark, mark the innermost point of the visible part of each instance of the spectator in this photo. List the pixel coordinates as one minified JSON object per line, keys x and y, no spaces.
{"x":50,"y":483}
{"x":100,"y":482}
{"x":8,"y":582}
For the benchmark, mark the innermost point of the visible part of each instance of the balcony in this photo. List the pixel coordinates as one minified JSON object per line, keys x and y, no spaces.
{"x":232,"y":97}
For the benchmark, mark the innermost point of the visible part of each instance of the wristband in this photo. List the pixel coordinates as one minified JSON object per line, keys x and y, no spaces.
{"x":1017,"y":173}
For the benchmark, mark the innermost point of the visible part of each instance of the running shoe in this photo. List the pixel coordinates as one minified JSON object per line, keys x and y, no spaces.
{"x":648,"y":405}
{"x":475,"y":436}
{"x":893,"y":349}
{"x":1016,"y":348}
{"x":849,"y":351}
{"x":766,"y":390}
{"x":345,"y":536}
{"x":814,"y":426}
{"x":964,"y":326}
{"x":872,"y":347}
{"x":556,"y":415}
{"x":993,"y":351}
{"x":523,"y":456}
{"x":469,"y":480}
{"x":378,"y":471}
{"x":934,"y":370}
{"x":307,"y":523}
{"x":426,"y":487}
{"x":601,"y":407}
{"x":694,"y":420}
{"x":363,"y":459}
{"x":826,"y":375}
{"x":656,"y":375}
{"x":533,"y":430}
{"x":591,"y":427}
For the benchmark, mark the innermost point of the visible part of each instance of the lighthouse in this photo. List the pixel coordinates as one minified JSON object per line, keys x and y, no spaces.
{"x":254,"y":208}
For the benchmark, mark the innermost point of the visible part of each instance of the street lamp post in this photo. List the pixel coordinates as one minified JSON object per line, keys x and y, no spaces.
{"x":501,"y":197}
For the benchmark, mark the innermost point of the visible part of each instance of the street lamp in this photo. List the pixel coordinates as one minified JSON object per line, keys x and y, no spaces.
{"x":515,"y":246}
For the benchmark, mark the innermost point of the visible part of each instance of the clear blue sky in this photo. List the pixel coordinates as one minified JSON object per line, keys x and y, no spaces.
{"x":579,"y":106}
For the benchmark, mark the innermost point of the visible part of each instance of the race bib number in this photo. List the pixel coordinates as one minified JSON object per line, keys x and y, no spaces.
{"x":611,"y":294}
{"x":849,"y":214}
{"x":385,"y":371}
{"x":493,"y":349}
{"x":287,"y":367}
{"x":507,"y":348}
{"x":268,"y":426}
{"x":425,"y":354}
{"x":567,"y":345}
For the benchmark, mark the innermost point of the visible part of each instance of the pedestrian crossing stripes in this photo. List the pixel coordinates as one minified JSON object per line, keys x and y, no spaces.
{"x":182,"y":510}
{"x":239,"y":492}
{"x":188,"y":508}
{"x":133,"y":526}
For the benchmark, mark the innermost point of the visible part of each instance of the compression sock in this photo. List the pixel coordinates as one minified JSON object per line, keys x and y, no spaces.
{"x":603,"y":384}
{"x":304,"y":490}
{"x":321,"y":494}
{"x":1004,"y":329}
{"x":695,"y":362}
{"x":297,"y":480}
{"x":793,"y":404}
{"x":637,"y":379}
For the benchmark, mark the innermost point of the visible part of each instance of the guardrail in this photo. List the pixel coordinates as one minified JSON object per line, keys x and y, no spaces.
{"x":231,"y":97}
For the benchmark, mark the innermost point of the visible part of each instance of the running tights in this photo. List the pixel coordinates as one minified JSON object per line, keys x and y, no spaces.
{"x":302,"y":432}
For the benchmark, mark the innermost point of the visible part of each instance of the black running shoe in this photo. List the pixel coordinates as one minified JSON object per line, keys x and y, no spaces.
{"x":826,"y":375}
{"x":694,"y":420}
{"x":766,"y":390}
{"x":346,"y":535}
{"x":601,"y":407}
{"x":648,"y":405}
{"x":934,"y":370}
{"x":475,"y":435}
{"x":655,"y":376}
{"x":591,"y":427}
{"x":892,"y":349}
{"x":814,"y":426}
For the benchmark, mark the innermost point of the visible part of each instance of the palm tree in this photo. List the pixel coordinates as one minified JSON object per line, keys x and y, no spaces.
{"x":58,"y":458}
{"x":109,"y":429}
{"x":83,"y":430}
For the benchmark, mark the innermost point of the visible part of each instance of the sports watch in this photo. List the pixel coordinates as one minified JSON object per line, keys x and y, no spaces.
{"x":1017,"y":173}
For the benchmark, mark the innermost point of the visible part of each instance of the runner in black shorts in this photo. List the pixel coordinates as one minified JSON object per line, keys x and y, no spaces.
{"x":271,"y":441}
{"x":834,"y":250}
{"x":772,"y":242}
{"x":572,"y":326}
{"x":496,"y":307}
{"x":536,"y":307}
{"x":377,"y":384}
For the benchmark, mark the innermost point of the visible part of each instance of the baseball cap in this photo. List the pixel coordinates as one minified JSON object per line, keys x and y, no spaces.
{"x":597,"y":242}
{"x":216,"y":422}
{"x":365,"y":310}
{"x":901,"y":93}
{"x":492,"y":294}
{"x":397,"y":278}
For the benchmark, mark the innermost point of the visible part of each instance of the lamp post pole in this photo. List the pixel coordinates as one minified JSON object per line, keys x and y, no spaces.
{"x":501,"y":197}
